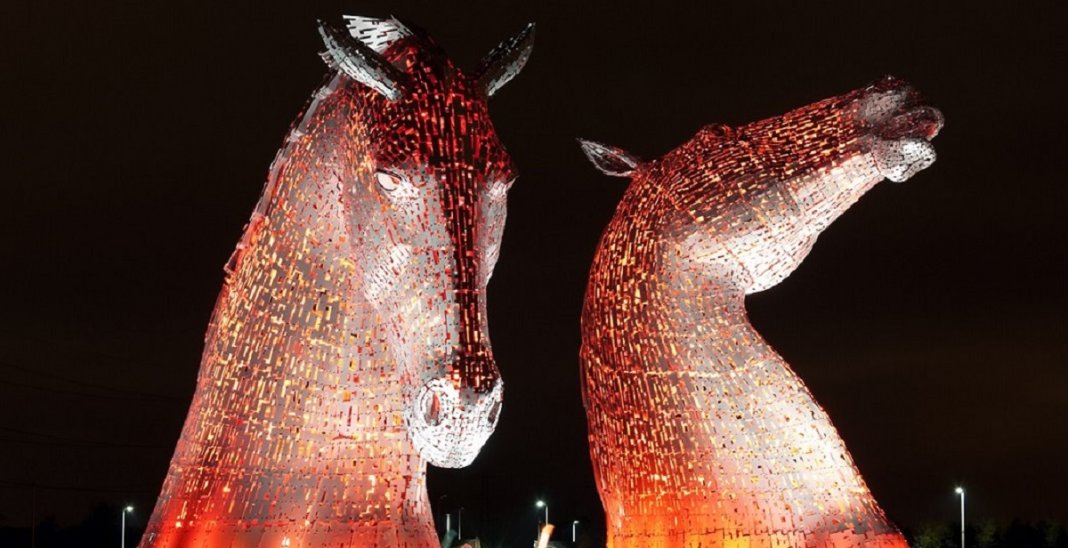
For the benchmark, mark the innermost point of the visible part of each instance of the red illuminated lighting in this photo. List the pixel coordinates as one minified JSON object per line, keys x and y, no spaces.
{"x":700,"y":433}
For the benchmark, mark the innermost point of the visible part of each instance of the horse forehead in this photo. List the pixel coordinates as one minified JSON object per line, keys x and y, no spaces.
{"x":441,"y":90}
{"x":443,"y":122}
{"x":449,"y":111}
{"x":449,"y":137}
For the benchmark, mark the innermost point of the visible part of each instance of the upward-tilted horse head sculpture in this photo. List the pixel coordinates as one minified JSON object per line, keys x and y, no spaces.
{"x":349,"y":345}
{"x":700,"y":433}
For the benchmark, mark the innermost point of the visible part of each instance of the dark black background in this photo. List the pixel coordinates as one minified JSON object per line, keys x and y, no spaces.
{"x":929,"y":320}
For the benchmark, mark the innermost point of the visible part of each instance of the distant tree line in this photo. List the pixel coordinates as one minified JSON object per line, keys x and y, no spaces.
{"x":101,"y":528}
{"x":991,"y":534}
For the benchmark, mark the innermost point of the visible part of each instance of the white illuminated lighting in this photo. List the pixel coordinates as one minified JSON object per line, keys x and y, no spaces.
{"x":960,"y":491}
{"x":543,"y":504}
{"x":128,"y":509}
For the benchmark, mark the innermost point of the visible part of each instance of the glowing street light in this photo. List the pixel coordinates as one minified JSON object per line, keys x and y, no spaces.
{"x":542,"y":504}
{"x":960,"y":491}
{"x":127,"y":510}
{"x":573,"y":525}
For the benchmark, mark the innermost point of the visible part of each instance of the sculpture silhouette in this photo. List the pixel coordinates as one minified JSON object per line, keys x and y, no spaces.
{"x":349,"y":344}
{"x":700,"y":434}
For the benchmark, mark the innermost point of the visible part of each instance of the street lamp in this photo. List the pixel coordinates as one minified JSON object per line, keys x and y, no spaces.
{"x":125,"y":511}
{"x":573,"y":525}
{"x":960,"y":491}
{"x":541,"y":504}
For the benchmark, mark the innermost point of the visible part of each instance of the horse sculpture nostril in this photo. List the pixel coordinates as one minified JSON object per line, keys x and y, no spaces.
{"x":495,"y":410}
{"x":432,"y":416}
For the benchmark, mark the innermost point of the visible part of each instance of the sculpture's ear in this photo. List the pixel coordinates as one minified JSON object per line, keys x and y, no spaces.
{"x":609,"y":160}
{"x":361,"y":63}
{"x":505,"y":61}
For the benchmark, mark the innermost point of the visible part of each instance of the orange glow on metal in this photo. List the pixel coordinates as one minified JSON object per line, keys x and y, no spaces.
{"x":700,"y":433}
{"x":545,"y":535}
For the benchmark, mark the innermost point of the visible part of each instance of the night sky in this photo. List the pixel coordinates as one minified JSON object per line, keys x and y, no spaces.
{"x":928,"y":321}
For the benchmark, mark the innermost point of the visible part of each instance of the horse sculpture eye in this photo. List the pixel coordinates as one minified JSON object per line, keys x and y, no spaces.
{"x":387,"y":181}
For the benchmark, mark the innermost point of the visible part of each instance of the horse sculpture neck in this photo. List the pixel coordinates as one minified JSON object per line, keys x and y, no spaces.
{"x":723,"y":440}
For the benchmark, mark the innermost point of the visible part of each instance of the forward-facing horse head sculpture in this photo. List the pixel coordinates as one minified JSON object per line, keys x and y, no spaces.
{"x":349,"y":345}
{"x":700,"y":434}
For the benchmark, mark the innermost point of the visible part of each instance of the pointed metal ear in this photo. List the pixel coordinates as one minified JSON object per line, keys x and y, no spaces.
{"x":610,"y":160}
{"x":361,"y":63}
{"x":505,"y":61}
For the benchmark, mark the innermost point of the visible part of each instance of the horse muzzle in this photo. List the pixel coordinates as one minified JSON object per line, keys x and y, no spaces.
{"x":449,"y":424}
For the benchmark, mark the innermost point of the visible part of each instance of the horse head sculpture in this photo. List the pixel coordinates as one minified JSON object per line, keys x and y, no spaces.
{"x":806,"y":167}
{"x":426,"y":206}
{"x":349,"y":345}
{"x":700,"y":433}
